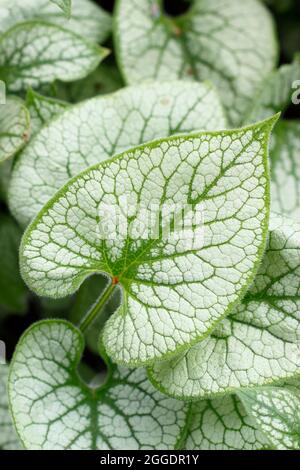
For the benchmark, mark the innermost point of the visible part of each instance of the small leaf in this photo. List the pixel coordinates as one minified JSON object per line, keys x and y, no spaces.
{"x":13,"y":292}
{"x":33,"y":53}
{"x":285,"y":169}
{"x":276,"y":92}
{"x":223,"y":424}
{"x":14,"y":127}
{"x":8,"y":437}
{"x":176,"y":285}
{"x":42,"y":109}
{"x":53,"y":409}
{"x":258,"y":343}
{"x":229,"y":42}
{"x":87,"y":20}
{"x":277,"y":413}
{"x":101,"y":127}
{"x":64,"y":5}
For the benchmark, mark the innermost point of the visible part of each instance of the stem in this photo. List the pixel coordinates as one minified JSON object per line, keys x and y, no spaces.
{"x":93,"y":312}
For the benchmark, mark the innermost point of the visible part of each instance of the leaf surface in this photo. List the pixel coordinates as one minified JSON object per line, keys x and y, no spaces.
{"x":34,"y":53}
{"x":178,"y":283}
{"x":275,"y":93}
{"x":53,"y":408}
{"x":64,"y":5}
{"x":42,"y":109}
{"x":8,"y":437}
{"x":14,"y":127}
{"x":95,"y":130}
{"x":223,"y":424}
{"x":228,"y":42}
{"x":277,"y":413}
{"x":258,"y":343}
{"x":285,"y":169}
{"x":88,"y":20}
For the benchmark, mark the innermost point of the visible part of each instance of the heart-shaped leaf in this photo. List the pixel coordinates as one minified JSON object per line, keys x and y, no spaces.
{"x":14,"y":127}
{"x":285,"y":169}
{"x":97,"y":129}
{"x":87,"y":20}
{"x":258,"y":343}
{"x":276,"y":412}
{"x":42,"y":109}
{"x":53,"y":409}
{"x":178,"y":279}
{"x":64,"y":5}
{"x":8,"y":437}
{"x":34,"y":53}
{"x":229,"y":42}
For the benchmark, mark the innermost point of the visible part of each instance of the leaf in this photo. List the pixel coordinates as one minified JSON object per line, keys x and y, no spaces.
{"x":13,"y":292}
{"x":277,"y":412}
{"x":14,"y":127}
{"x":93,"y":131}
{"x":53,"y":408}
{"x":276,"y":92}
{"x":229,"y":42}
{"x":285,"y":169}
{"x":87,"y":20}
{"x":222,"y":424}
{"x":42,"y":109}
{"x":176,"y":286}
{"x":64,"y":5}
{"x":33,"y":53}
{"x":8,"y":438}
{"x":258,"y":343}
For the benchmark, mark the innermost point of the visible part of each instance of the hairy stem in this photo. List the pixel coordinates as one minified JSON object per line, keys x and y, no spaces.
{"x":97,"y":307}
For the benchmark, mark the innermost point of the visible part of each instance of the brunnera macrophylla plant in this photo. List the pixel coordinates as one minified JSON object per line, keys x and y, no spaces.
{"x":161,"y":222}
